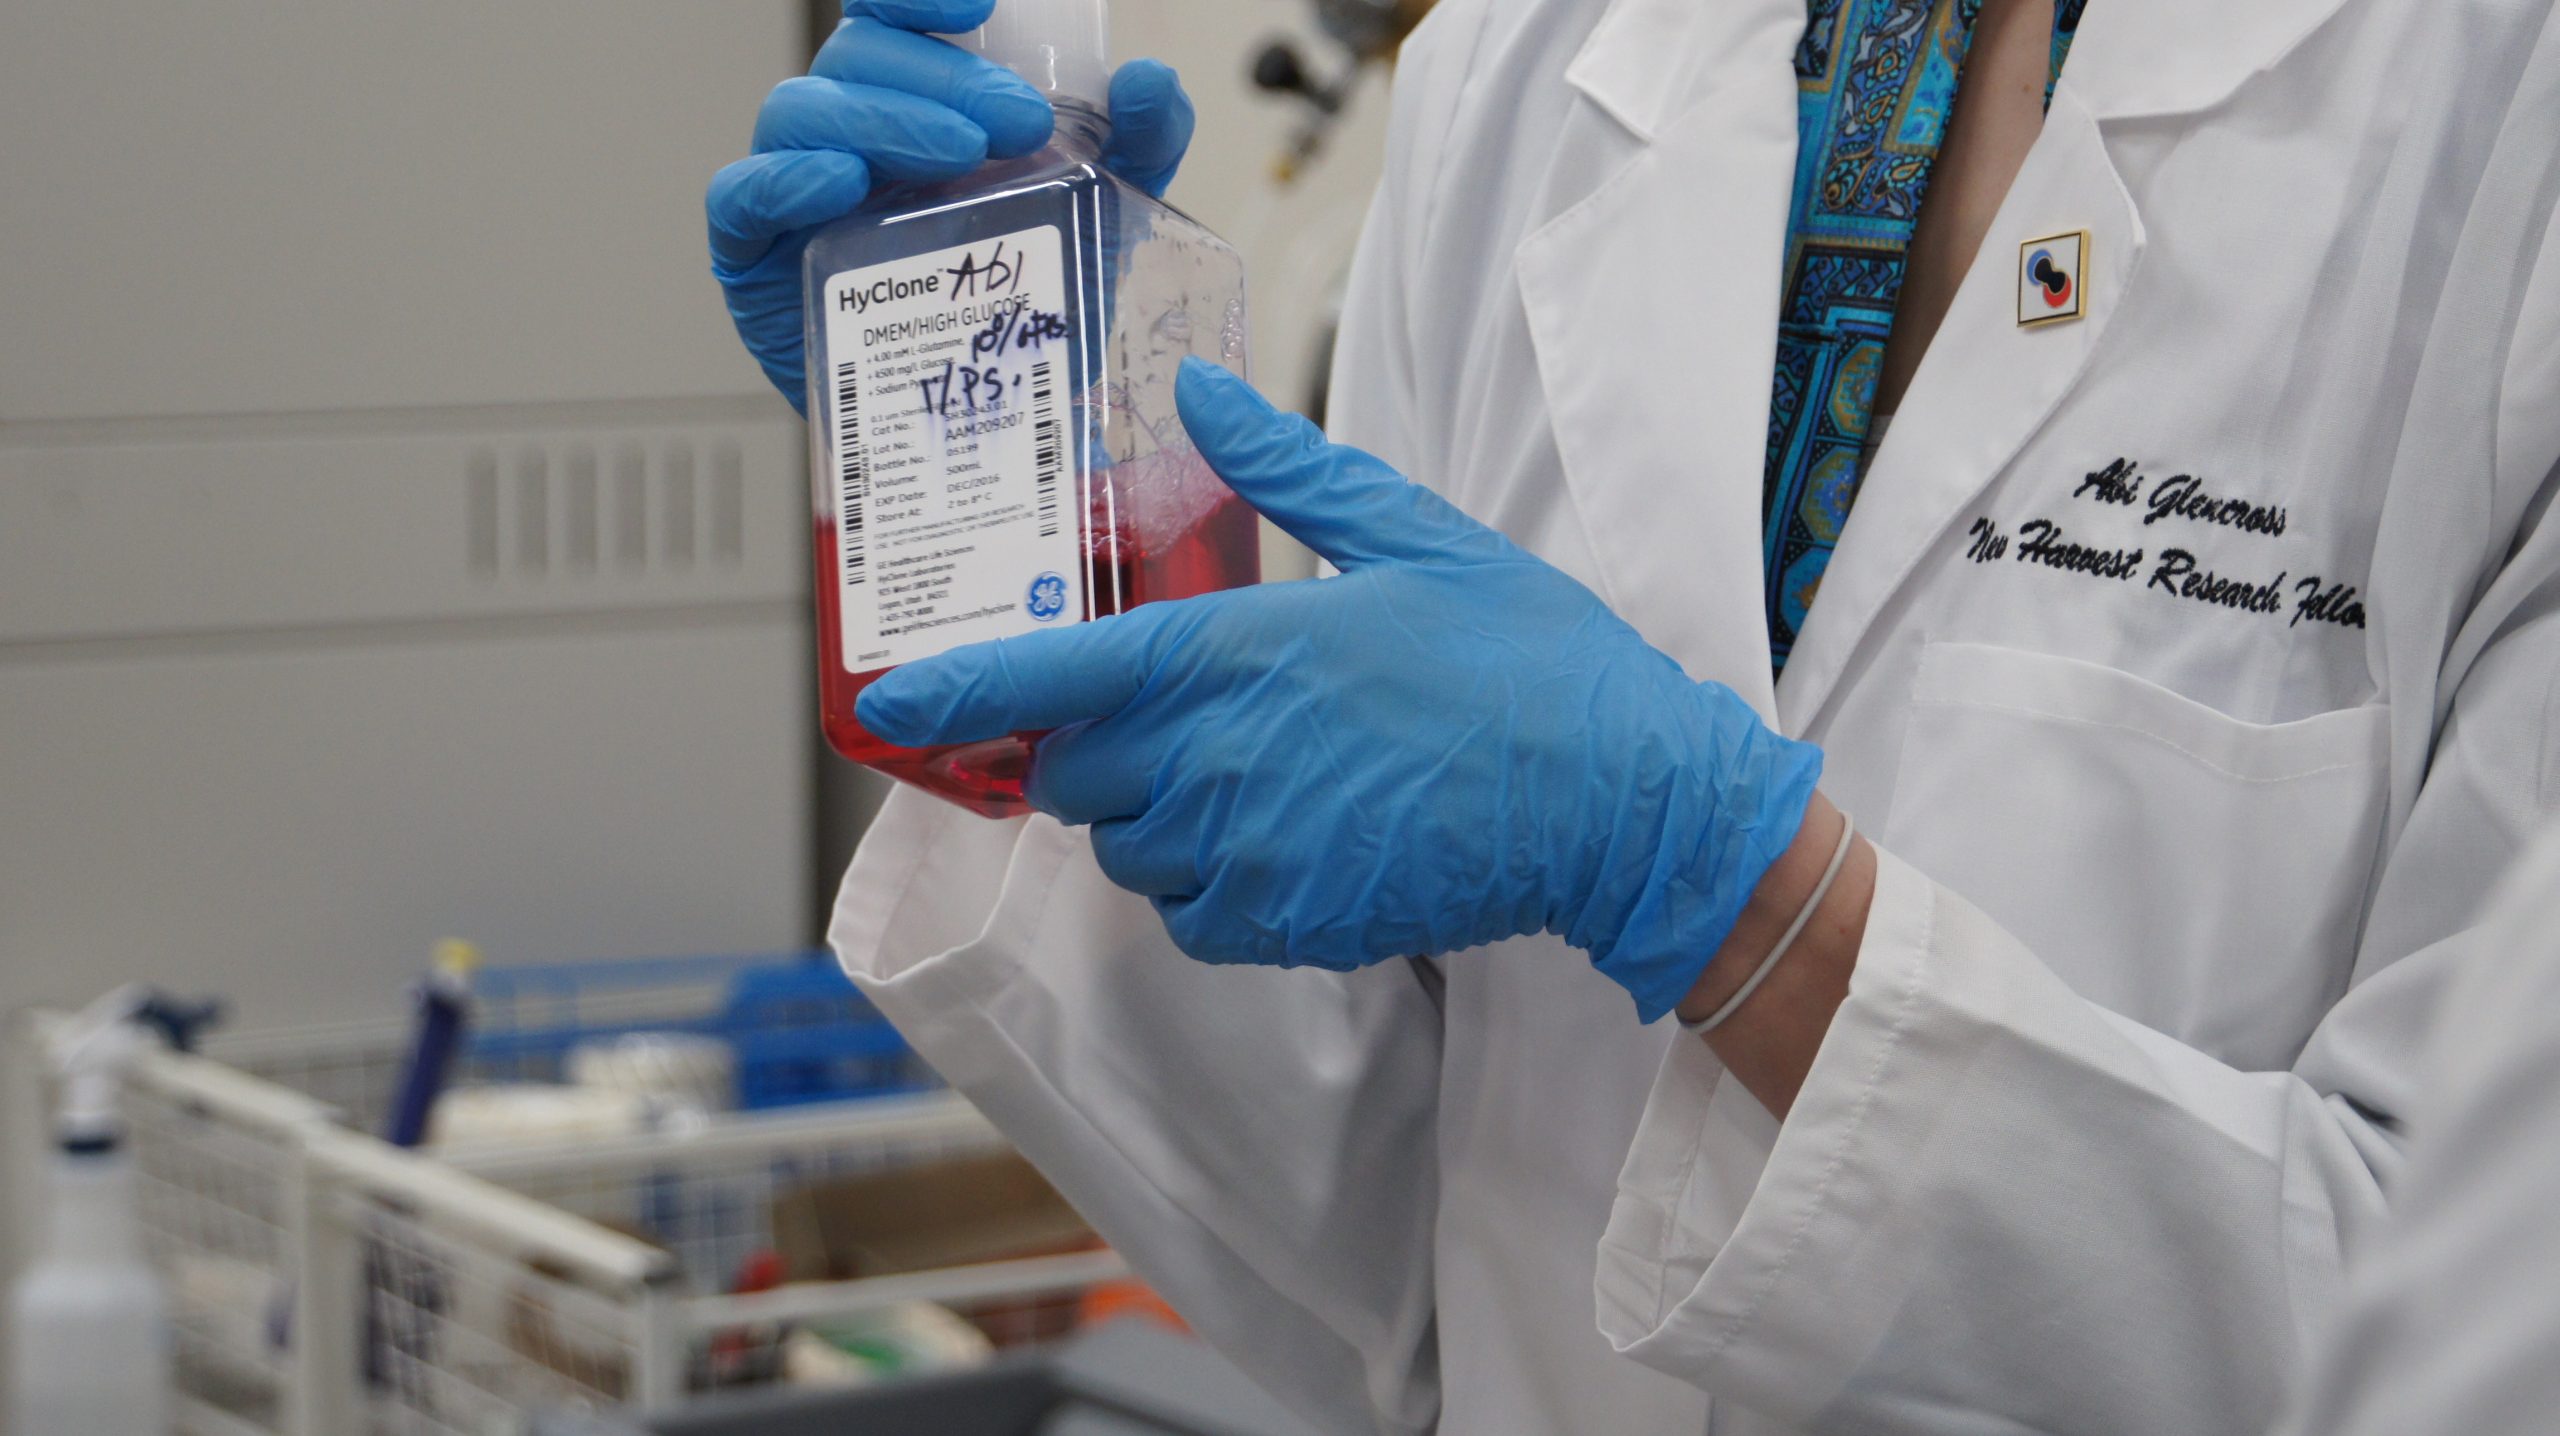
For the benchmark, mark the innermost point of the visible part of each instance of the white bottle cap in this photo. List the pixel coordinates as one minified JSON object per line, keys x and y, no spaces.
{"x":1061,"y":46}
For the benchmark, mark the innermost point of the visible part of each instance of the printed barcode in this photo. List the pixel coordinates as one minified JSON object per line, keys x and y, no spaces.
{"x":1044,"y":432}
{"x":853,"y":477}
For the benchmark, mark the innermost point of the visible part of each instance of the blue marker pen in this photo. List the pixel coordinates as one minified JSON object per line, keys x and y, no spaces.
{"x":444,"y":1013}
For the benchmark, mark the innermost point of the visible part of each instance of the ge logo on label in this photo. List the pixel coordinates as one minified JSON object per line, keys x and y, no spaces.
{"x":1047,"y":598}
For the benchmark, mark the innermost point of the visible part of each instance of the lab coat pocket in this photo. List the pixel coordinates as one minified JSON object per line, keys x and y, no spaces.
{"x":2199,"y":874}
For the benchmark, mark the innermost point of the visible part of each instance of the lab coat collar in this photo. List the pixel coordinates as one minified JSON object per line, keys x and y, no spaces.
{"x":1637,"y":292}
{"x":1648,"y":58}
{"x":1644,"y":60}
{"x":1641,"y":295}
{"x":2137,"y":58}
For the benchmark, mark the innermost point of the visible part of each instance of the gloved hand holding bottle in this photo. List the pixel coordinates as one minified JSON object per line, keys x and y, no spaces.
{"x":884,"y":102}
{"x":1450,"y":744}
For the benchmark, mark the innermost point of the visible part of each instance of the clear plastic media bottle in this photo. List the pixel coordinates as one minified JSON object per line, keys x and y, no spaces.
{"x":993,"y":438}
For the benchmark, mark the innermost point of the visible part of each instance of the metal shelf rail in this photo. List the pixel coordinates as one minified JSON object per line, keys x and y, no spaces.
{"x":324,"y":1282}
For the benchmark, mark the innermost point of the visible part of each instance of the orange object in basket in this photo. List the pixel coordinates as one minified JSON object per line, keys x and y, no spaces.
{"x":1112,"y":1300}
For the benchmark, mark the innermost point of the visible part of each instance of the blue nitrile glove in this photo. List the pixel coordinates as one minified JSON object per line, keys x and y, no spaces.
{"x":1449,"y":744}
{"x":886,"y":101}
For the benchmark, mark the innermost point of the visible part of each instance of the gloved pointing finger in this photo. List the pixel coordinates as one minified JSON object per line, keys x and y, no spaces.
{"x":1347,"y":505}
{"x":1344,"y":504}
{"x":1022,"y":685}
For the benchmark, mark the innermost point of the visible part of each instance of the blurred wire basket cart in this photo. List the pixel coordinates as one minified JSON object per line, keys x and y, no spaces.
{"x":842,"y":1223}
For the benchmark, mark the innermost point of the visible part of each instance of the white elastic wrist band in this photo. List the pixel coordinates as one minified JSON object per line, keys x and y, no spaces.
{"x":1804,"y":919}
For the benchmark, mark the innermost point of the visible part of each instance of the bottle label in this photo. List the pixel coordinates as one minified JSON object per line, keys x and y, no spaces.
{"x":957,"y":492}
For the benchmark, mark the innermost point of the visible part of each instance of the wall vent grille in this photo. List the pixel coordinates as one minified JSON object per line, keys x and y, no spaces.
{"x":538,"y":512}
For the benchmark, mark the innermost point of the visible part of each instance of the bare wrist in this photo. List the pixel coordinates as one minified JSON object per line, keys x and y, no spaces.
{"x":1774,"y":905}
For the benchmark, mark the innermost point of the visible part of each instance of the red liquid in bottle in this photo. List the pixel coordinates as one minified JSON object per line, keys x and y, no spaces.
{"x":1223,"y":549}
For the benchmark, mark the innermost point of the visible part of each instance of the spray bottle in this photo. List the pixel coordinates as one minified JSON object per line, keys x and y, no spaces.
{"x":89,"y":1322}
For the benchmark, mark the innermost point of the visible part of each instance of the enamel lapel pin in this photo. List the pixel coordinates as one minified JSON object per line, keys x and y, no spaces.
{"x":2053,"y":278}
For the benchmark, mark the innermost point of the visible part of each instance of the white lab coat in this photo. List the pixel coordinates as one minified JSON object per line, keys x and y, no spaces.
{"x":2168,"y":886}
{"x":2453,"y":1318}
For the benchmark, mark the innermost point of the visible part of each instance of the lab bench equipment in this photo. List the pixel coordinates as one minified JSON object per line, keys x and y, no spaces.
{"x":323,"y":1281}
{"x":797,"y":1029}
{"x":1127,"y":1379}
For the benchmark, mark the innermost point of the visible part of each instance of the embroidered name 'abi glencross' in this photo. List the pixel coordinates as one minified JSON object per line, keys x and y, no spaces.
{"x":2183,"y":496}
